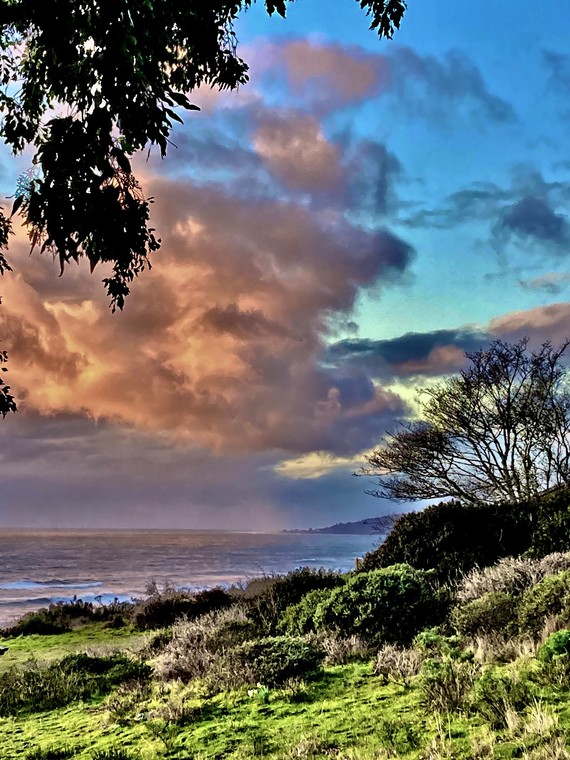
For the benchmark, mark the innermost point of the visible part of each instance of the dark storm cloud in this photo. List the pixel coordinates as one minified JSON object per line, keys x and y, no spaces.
{"x":434,"y":353}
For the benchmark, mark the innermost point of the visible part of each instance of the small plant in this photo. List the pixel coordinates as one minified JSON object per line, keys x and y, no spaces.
{"x":340,"y":650}
{"x":113,"y":753}
{"x":445,"y":683}
{"x":50,"y":753}
{"x":550,"y":598}
{"x":494,"y":612}
{"x":496,"y":695}
{"x":398,"y":735}
{"x":275,"y":659}
{"x":397,"y":665}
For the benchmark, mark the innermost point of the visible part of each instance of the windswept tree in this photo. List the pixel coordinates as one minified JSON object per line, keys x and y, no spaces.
{"x":498,"y":431}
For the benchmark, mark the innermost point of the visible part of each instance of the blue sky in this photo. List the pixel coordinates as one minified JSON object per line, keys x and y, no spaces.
{"x":335,"y":235}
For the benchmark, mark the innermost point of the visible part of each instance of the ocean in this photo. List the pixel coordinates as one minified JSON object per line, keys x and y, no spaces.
{"x":40,"y":567}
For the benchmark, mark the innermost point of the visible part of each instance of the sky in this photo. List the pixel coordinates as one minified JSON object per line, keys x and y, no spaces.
{"x":335,"y":235}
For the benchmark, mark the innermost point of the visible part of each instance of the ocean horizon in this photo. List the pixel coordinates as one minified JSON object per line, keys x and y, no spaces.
{"x":42,"y":566}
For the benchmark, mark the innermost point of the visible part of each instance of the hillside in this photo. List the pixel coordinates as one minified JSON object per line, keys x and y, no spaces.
{"x":366,"y":527}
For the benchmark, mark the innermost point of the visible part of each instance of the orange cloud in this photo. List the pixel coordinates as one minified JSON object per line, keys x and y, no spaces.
{"x":219,"y":344}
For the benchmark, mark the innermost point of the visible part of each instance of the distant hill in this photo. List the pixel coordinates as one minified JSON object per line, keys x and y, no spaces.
{"x":359,"y":528}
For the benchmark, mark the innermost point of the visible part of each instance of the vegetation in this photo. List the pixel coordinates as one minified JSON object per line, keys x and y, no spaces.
{"x":499,"y":431}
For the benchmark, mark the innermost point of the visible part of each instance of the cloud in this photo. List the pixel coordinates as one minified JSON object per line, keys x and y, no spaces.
{"x":326,"y":77}
{"x":219,"y":343}
{"x":433,"y":86}
{"x":551,"y":282}
{"x":533,"y":217}
{"x":297,"y":153}
{"x":410,"y":355}
{"x":558,"y":65}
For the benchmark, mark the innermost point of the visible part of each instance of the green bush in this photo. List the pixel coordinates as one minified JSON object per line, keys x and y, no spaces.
{"x":452,"y":538}
{"x":267,"y":607}
{"x":299,"y":618}
{"x":491,"y":613}
{"x":385,"y":606}
{"x":496,"y":694}
{"x":446,"y":682}
{"x":161,"y":609}
{"x":556,"y":645}
{"x":552,"y":528}
{"x":274,"y":659}
{"x":549,"y":598}
{"x":63,"y":616}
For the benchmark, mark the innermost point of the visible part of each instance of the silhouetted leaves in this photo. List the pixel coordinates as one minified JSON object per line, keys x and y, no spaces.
{"x":110,"y":72}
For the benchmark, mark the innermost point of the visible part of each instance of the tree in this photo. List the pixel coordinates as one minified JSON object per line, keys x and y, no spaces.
{"x":498,"y":431}
{"x":85,"y":85}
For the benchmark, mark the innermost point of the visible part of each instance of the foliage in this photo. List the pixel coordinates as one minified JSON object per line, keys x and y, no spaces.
{"x":50,"y":753}
{"x":280,"y":592}
{"x":550,"y":598}
{"x":556,"y":645}
{"x":446,"y":682}
{"x":511,"y":575}
{"x":552,"y":530}
{"x":398,"y":665}
{"x":298,"y":619}
{"x":493,"y":612}
{"x":497,"y":432}
{"x":497,"y":693}
{"x":196,"y":645}
{"x":274,"y":659}
{"x":63,"y":616}
{"x":387,"y":605}
{"x":87,"y":84}
{"x":162,"y":608}
{"x":75,"y":677}
{"x":452,"y":538}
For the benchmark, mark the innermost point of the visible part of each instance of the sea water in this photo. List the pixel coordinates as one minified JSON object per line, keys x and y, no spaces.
{"x":41,"y":567}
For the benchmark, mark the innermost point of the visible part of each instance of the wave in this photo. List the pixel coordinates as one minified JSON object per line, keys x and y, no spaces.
{"x":28,"y":585}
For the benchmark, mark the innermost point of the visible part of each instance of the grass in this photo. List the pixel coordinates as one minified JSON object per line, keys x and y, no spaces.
{"x":92,"y":637}
{"x":346,"y":714}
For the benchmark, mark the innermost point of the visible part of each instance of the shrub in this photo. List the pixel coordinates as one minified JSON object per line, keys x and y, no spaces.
{"x":446,"y":682}
{"x":298,"y":619}
{"x":497,"y":695}
{"x":550,"y":598}
{"x":162,"y":609}
{"x":75,"y":677}
{"x":556,"y":645}
{"x":552,"y":529}
{"x":62,"y":616}
{"x":397,"y":665}
{"x":339,"y":650}
{"x":267,"y":607}
{"x":388,"y":605}
{"x":493,"y":612}
{"x":511,"y":575}
{"x":452,"y":538}
{"x":196,"y":644}
{"x":275,"y":659}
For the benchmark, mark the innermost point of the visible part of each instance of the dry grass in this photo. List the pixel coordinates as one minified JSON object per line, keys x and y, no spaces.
{"x":511,"y":575}
{"x":398,"y":665}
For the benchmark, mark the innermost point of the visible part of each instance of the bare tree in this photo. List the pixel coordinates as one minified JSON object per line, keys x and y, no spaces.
{"x":498,"y":431}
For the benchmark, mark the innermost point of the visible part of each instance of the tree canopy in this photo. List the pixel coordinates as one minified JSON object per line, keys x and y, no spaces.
{"x":87,"y":84}
{"x":498,"y":431}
